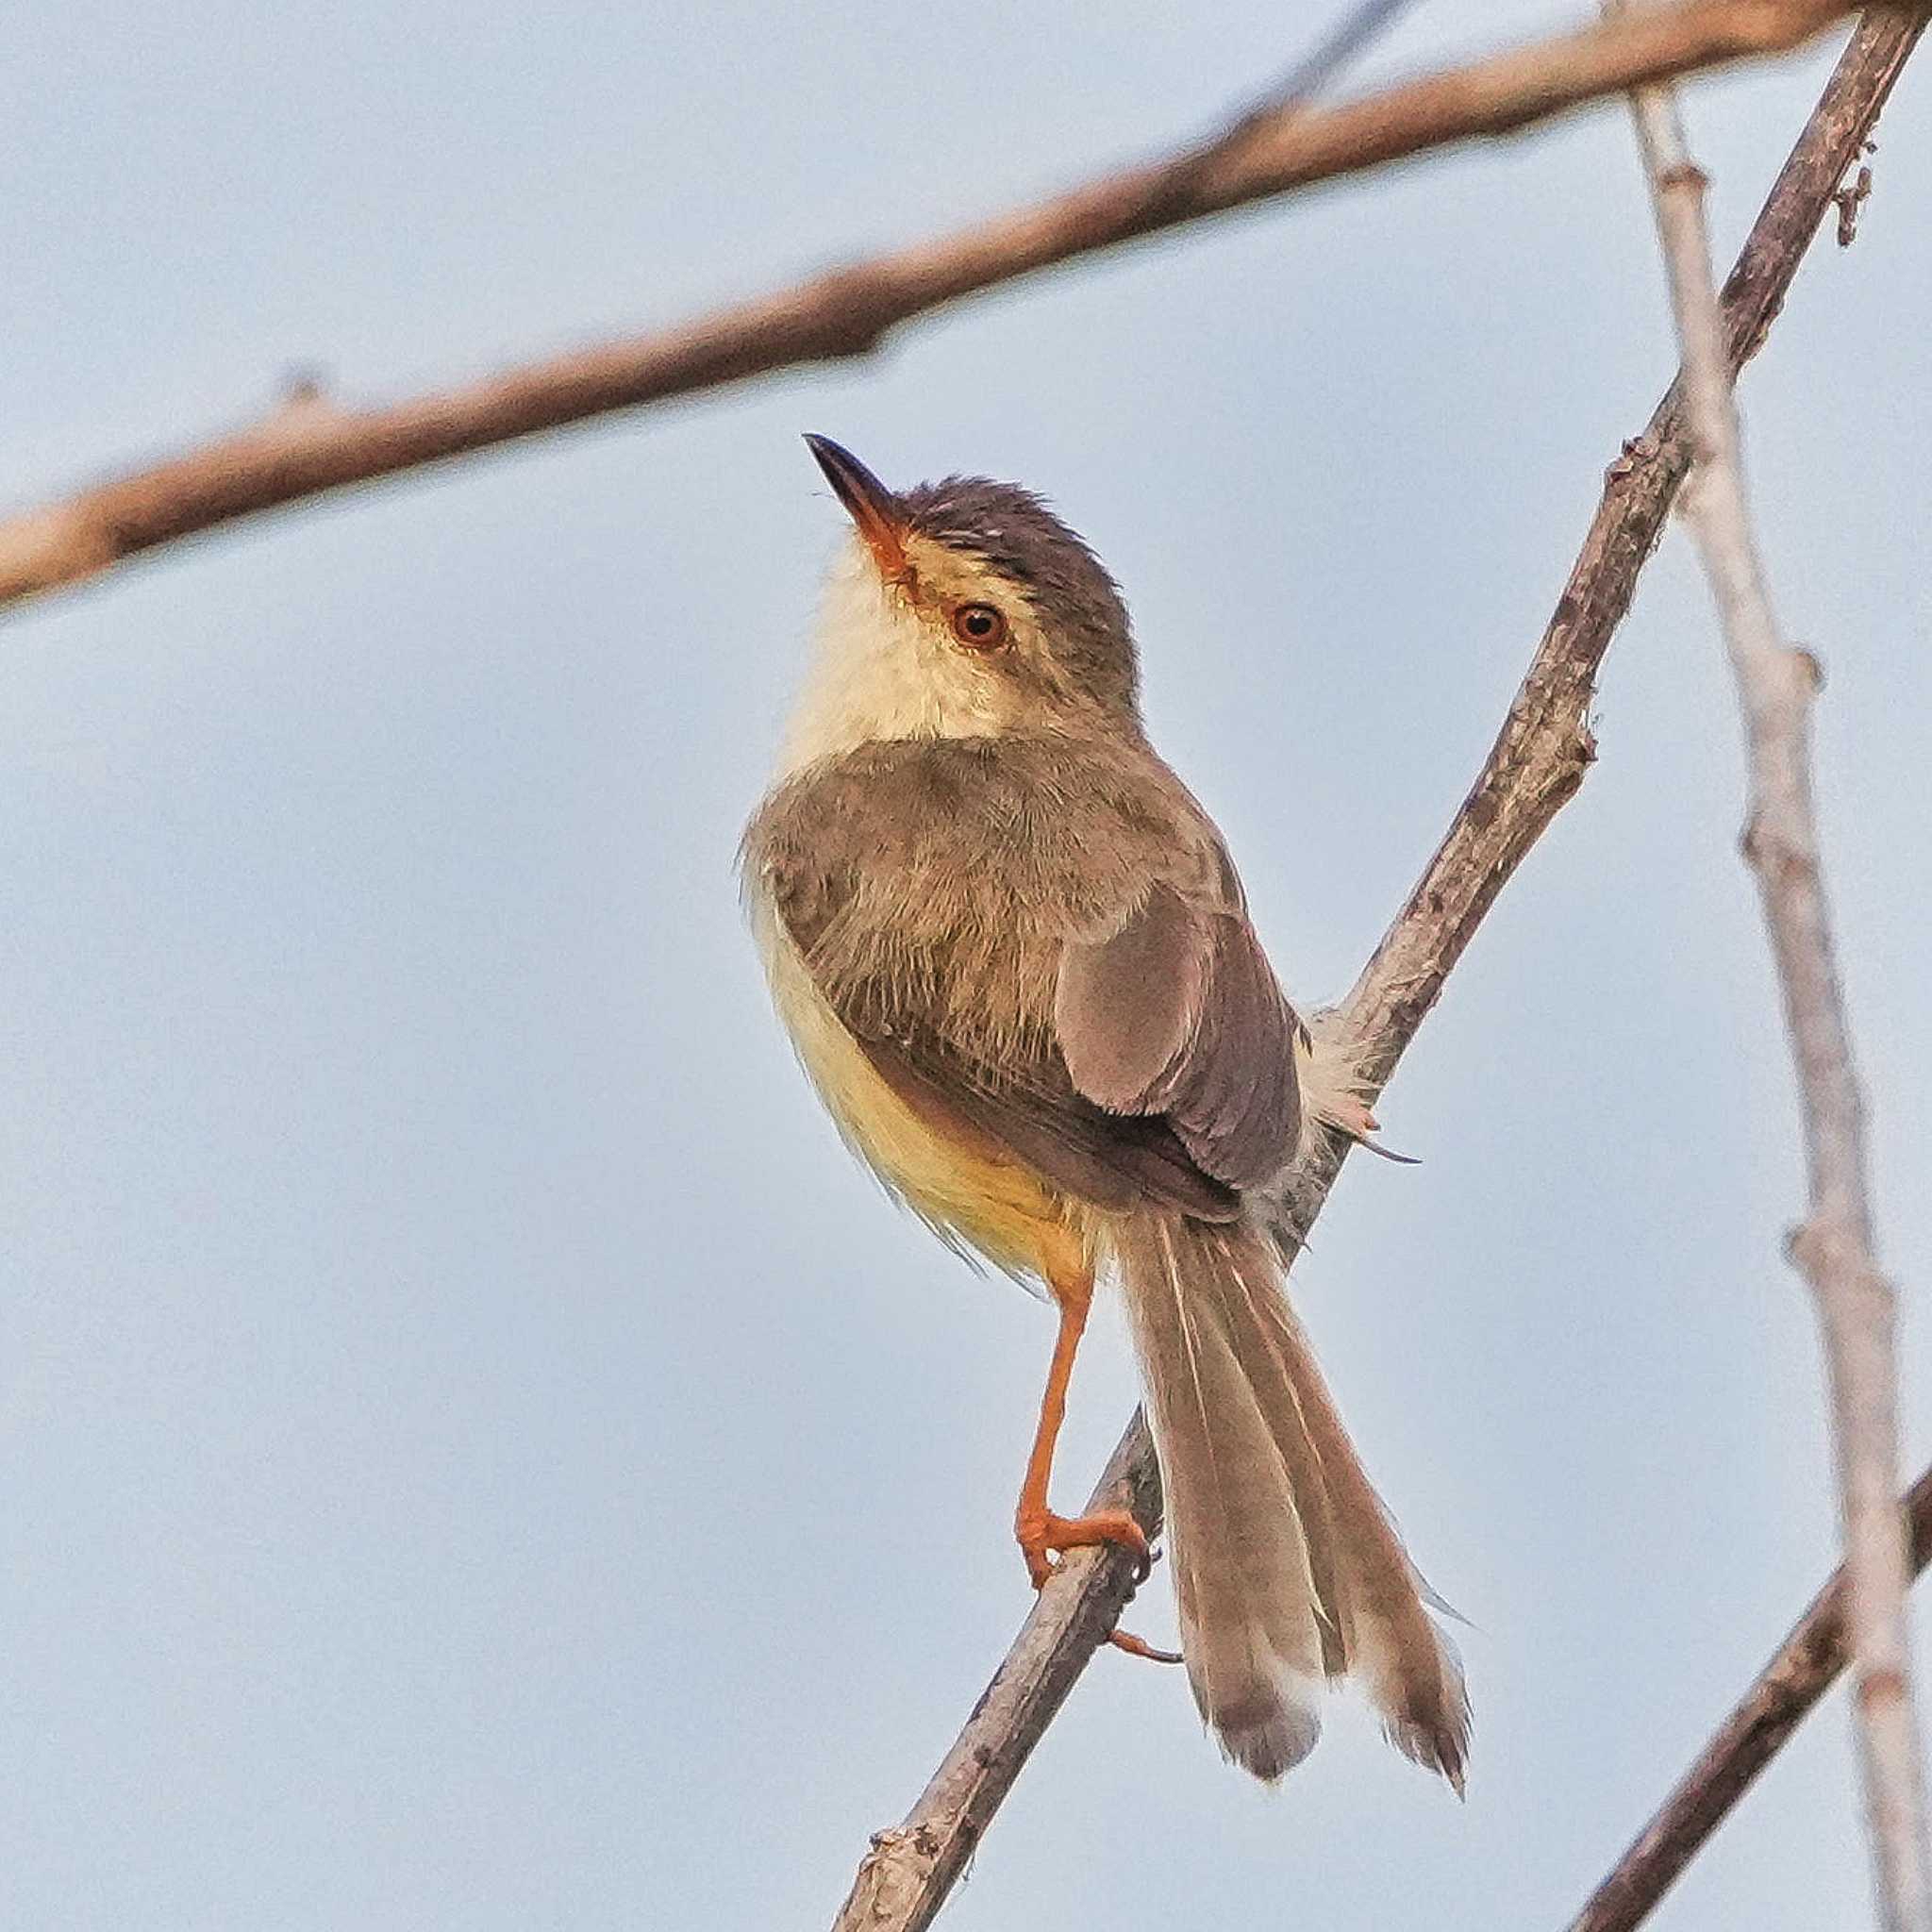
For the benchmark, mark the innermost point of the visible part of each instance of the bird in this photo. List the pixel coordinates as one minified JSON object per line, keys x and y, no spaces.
{"x":1014,"y":957}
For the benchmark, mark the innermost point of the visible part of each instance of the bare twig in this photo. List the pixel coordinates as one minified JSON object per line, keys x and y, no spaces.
{"x":1803,"y":1666}
{"x":1537,"y":763}
{"x":1834,"y":1246}
{"x":847,"y":311}
{"x":1178,"y":180}
{"x":1850,"y":199}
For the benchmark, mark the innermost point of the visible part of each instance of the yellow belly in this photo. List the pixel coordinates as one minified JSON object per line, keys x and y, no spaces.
{"x":991,"y":1202}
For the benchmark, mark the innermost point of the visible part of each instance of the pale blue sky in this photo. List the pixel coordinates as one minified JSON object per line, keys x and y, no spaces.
{"x":473,"y":1453}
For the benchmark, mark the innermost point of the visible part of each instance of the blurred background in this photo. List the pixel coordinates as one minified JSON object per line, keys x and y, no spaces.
{"x":474,"y":1451}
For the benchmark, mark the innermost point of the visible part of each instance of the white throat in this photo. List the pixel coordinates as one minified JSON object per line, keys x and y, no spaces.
{"x":882,"y":672}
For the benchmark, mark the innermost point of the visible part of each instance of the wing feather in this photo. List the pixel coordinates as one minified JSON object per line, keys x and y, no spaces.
{"x":1176,"y":1012}
{"x":1082,"y":989}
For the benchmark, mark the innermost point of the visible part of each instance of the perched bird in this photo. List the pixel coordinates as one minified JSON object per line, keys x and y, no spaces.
{"x":1014,"y":956}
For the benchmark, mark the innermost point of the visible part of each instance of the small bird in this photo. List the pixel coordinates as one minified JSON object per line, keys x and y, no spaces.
{"x":1015,"y":960}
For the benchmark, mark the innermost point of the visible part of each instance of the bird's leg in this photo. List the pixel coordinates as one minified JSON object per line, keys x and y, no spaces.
{"x":1040,"y":1533}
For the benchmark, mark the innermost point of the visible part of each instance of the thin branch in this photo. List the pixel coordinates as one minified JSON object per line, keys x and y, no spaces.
{"x":1803,"y":1666}
{"x":1178,"y":179}
{"x":312,"y":446}
{"x":1834,"y":1246}
{"x":1537,"y":761}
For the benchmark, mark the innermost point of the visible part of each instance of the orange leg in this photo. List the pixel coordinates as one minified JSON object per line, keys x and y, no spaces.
{"x":1040,"y":1533}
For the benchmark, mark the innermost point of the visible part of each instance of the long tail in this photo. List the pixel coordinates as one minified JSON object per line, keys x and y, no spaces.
{"x":1287,"y":1565}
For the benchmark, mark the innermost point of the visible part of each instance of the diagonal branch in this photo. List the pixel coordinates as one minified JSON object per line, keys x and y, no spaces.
{"x":1834,"y":1246}
{"x":1537,"y":763}
{"x":309,"y":446}
{"x":1801,"y":1669}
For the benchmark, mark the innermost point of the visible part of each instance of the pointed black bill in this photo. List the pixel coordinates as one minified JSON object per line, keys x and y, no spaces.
{"x":867,"y":501}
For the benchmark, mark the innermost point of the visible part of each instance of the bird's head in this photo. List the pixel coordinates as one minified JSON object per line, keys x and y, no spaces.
{"x":961,"y":608}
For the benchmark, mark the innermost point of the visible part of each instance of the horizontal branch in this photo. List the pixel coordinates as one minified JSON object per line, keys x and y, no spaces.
{"x":1803,"y":1666}
{"x":309,"y":446}
{"x":1535,"y":767}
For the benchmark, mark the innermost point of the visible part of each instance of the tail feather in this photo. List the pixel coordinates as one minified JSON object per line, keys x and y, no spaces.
{"x":1288,"y":1568}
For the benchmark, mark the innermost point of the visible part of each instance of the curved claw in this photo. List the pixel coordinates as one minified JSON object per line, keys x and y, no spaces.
{"x":1043,"y":1539}
{"x":1139,"y":1646}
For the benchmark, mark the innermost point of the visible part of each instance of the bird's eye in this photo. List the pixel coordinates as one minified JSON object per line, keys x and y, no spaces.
{"x":979,"y":626}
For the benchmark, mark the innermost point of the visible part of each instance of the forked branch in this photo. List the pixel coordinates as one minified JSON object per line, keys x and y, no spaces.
{"x":1537,"y":763}
{"x":309,"y":446}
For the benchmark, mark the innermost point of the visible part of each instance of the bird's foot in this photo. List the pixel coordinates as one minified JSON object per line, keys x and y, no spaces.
{"x":1045,"y":1536}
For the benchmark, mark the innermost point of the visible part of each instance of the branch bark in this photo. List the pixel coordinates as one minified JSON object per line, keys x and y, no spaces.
{"x":1536,"y":765}
{"x":1802,"y":1669}
{"x":309,"y":446}
{"x":1834,"y":1246}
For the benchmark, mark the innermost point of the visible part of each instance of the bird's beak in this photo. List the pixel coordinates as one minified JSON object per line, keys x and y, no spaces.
{"x":868,"y":503}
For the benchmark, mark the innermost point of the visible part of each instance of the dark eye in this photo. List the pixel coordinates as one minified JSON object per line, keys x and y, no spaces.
{"x":979,"y":626}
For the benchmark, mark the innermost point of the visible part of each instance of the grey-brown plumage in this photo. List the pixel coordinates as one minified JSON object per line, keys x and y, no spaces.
{"x":1014,"y":954}
{"x":982,"y":939}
